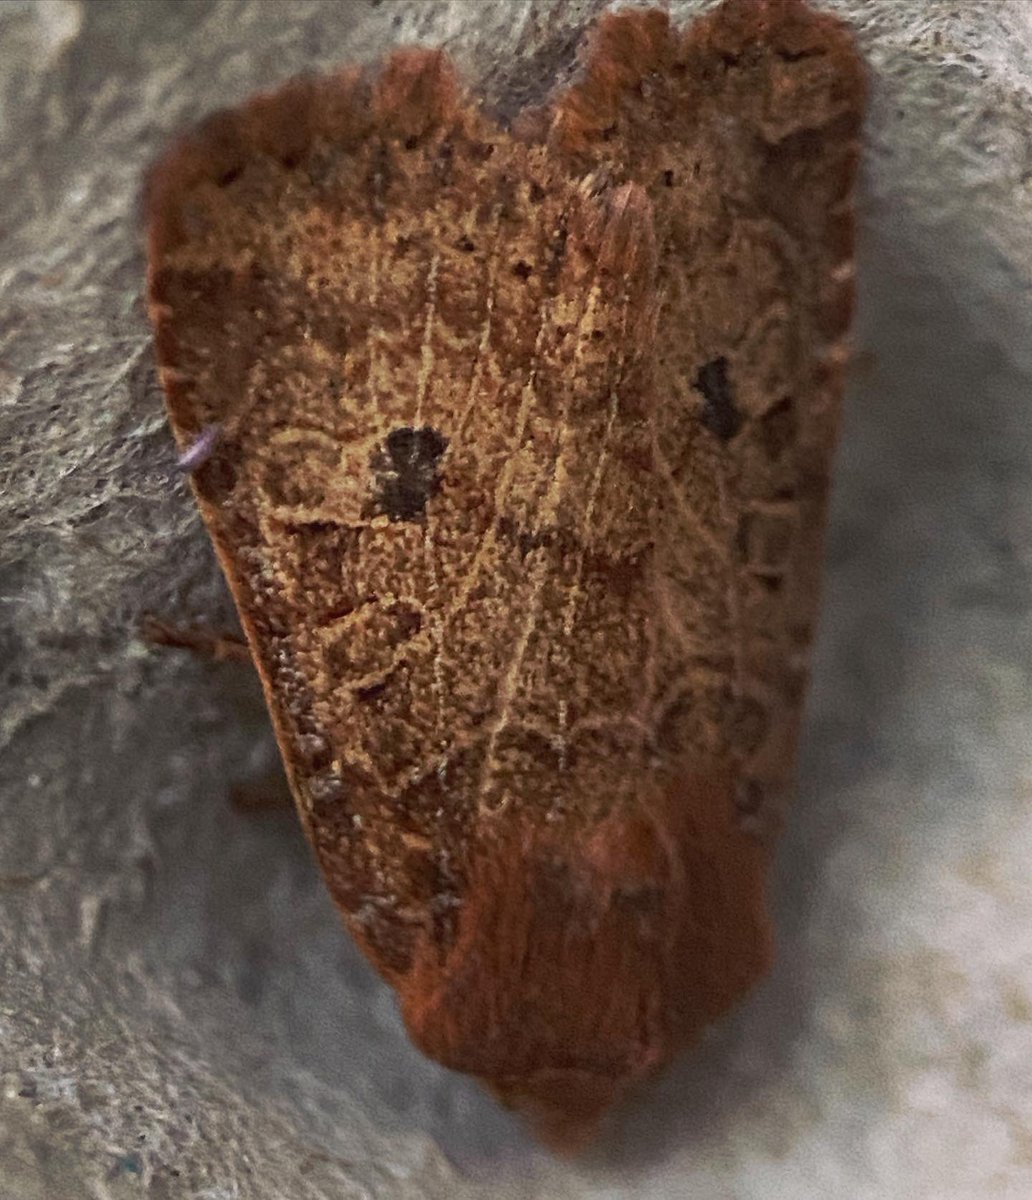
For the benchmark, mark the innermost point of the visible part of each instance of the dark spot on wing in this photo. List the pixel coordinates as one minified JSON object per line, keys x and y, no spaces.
{"x":749,"y":797}
{"x":215,"y":476}
{"x":719,"y":413}
{"x":405,"y":472}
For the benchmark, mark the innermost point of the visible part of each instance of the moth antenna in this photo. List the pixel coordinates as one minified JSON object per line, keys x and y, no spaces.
{"x":199,"y":450}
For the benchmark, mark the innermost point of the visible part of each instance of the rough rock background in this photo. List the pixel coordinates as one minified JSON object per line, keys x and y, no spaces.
{"x":180,"y":1014}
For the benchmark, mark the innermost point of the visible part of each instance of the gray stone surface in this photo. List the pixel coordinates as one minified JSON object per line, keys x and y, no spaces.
{"x":180,"y":1013}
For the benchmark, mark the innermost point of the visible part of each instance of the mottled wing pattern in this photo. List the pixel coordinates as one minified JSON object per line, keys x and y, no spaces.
{"x":416,"y":349}
{"x":744,"y":133}
{"x":523,"y":445}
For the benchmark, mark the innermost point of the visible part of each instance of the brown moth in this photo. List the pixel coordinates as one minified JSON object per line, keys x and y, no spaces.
{"x":524,"y":437}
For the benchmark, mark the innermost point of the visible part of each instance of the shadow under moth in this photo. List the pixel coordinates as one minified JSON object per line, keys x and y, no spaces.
{"x":514,"y":447}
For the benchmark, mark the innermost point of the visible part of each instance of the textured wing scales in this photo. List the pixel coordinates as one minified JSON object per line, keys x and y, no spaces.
{"x":524,"y":444}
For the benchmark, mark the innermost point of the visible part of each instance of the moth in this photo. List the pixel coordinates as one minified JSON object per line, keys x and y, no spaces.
{"x":515,"y":450}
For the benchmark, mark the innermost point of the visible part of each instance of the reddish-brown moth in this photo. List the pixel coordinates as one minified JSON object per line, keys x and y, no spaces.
{"x":523,"y":449}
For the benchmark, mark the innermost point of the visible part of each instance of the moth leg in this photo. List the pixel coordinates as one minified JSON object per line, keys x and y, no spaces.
{"x":269,"y":792}
{"x":10,"y":883}
{"x":221,"y":647}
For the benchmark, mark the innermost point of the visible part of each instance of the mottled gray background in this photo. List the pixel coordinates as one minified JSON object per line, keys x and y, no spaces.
{"x":180,"y":1013}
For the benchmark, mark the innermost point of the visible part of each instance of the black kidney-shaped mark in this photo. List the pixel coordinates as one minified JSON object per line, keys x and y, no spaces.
{"x":405,"y":471}
{"x":719,"y":413}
